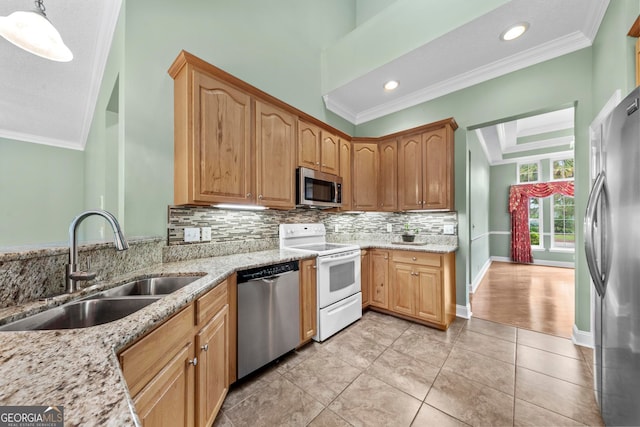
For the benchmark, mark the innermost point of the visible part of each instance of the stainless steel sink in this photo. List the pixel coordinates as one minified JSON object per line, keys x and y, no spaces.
{"x":150,"y":286}
{"x":81,"y":314}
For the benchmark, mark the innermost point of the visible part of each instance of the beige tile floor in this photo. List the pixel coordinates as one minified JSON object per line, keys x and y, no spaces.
{"x":384,"y":371}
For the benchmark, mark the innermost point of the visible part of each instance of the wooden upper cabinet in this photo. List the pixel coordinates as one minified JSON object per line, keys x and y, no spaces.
{"x":308,"y":145}
{"x":215,"y":130}
{"x":426,"y":169}
{"x":275,"y":156}
{"x":438,"y":169}
{"x":345,"y":173}
{"x":410,"y":172}
{"x":318,"y":149}
{"x":329,"y":153}
{"x":365,"y":176}
{"x":388,"y":176}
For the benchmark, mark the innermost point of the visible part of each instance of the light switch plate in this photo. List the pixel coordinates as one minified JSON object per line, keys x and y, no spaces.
{"x":205,"y":234}
{"x":449,"y":229}
{"x":389,"y":228}
{"x":191,"y":234}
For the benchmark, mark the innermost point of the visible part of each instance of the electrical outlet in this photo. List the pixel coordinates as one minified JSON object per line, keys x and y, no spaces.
{"x":389,"y":228}
{"x":337,"y":228}
{"x":191,"y":234}
{"x":205,"y":233}
{"x":449,"y":229}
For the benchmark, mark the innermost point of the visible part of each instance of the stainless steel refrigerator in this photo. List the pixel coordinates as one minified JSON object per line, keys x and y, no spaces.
{"x":612,"y":244}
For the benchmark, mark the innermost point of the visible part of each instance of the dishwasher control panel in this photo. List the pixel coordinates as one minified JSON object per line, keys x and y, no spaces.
{"x":267,"y":271}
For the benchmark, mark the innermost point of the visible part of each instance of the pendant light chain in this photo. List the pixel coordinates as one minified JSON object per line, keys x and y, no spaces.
{"x":40,"y":6}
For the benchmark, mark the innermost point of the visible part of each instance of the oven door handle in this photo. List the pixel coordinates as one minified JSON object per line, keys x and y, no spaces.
{"x":350,"y":255}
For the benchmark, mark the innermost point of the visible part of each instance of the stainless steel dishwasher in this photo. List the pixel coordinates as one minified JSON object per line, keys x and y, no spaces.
{"x":268,"y":314}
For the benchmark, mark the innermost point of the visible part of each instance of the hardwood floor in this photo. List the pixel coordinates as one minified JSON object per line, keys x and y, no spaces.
{"x":527,"y":296}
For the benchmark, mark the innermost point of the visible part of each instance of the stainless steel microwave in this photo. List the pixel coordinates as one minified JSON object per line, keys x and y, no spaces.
{"x":318,"y":189}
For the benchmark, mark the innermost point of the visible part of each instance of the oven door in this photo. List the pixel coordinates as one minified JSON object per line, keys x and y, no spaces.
{"x":338,"y":276}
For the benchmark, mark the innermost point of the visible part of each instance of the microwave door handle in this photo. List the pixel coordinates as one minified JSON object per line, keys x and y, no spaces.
{"x":335,"y":192}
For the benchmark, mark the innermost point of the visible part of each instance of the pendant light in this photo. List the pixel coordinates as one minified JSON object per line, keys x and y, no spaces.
{"x":32,"y":31}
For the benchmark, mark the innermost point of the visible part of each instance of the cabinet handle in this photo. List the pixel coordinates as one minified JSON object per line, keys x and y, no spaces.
{"x":386,"y":257}
{"x":260,"y":197}
{"x":194,"y":362}
{"x":205,"y":347}
{"x":318,"y":163}
{"x":248,"y":195}
{"x":414,"y":258}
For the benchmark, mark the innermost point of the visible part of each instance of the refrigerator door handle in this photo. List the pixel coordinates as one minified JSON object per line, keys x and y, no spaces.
{"x":598,"y":277}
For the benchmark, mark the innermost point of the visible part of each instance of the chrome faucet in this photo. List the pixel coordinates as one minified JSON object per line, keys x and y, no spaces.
{"x":73,"y":275}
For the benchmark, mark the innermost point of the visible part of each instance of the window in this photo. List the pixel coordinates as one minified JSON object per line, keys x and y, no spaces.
{"x":564,"y":233}
{"x":528,"y":172}
{"x":535,"y":222}
{"x":561,"y":169}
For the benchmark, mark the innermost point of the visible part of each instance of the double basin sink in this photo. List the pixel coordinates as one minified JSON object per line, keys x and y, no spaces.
{"x":103,"y":307}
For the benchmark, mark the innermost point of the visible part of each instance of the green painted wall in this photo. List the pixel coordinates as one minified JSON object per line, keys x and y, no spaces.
{"x":41,"y":189}
{"x":275,"y":46}
{"x":479,"y":208}
{"x":367,"y":9}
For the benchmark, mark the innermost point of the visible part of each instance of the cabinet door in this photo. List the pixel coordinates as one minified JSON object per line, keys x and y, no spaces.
{"x":345,"y":173}
{"x":365,"y":176}
{"x":402,"y":294}
{"x":212,"y":373}
{"x":275,"y":161}
{"x":410,"y":173}
{"x":438,"y":170}
{"x":364,"y":277}
{"x":168,"y":399}
{"x":308,"y":300}
{"x":379,"y":278}
{"x":308,"y":145}
{"x":429,"y":294}
{"x":388,"y":176}
{"x":330,"y":153}
{"x":222,"y":149}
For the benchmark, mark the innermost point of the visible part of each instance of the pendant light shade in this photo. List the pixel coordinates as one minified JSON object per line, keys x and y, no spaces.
{"x":33,"y":32}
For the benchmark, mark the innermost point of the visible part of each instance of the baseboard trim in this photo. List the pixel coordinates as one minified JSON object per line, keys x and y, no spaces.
{"x":561,"y":264}
{"x":582,"y":338}
{"x":463,"y":311}
{"x":480,"y":276}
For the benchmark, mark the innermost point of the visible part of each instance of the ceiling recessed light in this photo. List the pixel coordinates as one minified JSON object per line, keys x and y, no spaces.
{"x":514,"y":31}
{"x":391,"y":85}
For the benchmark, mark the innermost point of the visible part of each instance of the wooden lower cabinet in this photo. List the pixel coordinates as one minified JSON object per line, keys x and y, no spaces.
{"x":168,"y":398}
{"x":178,"y":374}
{"x":379,"y":296}
{"x":212,"y":379}
{"x":364,"y":277}
{"x":414,"y":285}
{"x":308,"y":300}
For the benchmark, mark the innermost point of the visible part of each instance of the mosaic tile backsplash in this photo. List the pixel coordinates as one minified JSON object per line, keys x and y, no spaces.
{"x":233,"y":227}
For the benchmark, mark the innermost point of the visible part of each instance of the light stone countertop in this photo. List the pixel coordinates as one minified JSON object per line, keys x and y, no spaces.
{"x":79,"y":368}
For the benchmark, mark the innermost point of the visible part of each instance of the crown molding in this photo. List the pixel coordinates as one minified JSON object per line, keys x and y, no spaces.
{"x":39,"y":139}
{"x":545,"y":143}
{"x":553,"y":49}
{"x":596,"y":15}
{"x":339,"y":109}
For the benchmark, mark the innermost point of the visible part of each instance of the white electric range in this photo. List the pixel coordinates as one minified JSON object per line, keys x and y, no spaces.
{"x":338,"y":276}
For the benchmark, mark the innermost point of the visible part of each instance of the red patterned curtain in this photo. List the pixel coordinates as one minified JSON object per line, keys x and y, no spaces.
{"x":519,"y":209}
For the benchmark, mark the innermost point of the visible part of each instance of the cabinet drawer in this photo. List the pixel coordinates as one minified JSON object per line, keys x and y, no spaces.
{"x":211,"y":302}
{"x":143,"y":360}
{"x":421,"y":258}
